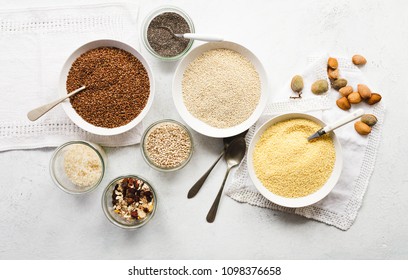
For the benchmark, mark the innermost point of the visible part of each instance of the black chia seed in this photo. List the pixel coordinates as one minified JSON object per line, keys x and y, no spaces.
{"x":162,"y":41}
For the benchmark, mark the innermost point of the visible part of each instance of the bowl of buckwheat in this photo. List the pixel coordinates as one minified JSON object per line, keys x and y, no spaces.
{"x":167,"y":145}
{"x":119,"y":87}
{"x":129,"y":202}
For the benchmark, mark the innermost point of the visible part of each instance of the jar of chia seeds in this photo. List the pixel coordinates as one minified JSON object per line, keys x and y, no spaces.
{"x":159,"y":29}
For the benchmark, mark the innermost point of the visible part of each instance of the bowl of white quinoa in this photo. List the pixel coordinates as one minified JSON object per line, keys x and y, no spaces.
{"x":220,"y":89}
{"x":78,"y":167}
{"x":289,"y":170}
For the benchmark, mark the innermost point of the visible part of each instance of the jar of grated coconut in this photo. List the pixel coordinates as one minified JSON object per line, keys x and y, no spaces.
{"x":78,"y":166}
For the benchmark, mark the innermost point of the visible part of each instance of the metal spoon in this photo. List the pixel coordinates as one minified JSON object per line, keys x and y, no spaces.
{"x":35,"y":114}
{"x":197,"y":186}
{"x":234,"y":155}
{"x":194,"y":36}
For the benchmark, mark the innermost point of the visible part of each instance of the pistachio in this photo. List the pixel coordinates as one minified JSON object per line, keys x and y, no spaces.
{"x":364,"y":91}
{"x":375,"y":98}
{"x":339,"y":83}
{"x":297,"y":83}
{"x":369,"y":119}
{"x":354,"y":98}
{"x":332,"y":63}
{"x":359,"y":59}
{"x":320,"y":86}
{"x":343,"y":103}
{"x":333,"y":74}
{"x":345,"y":91}
{"x":362,"y":128}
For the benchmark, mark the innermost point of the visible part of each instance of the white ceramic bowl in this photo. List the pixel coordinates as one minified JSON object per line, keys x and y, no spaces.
{"x":75,"y":117}
{"x":300,"y":201}
{"x":199,"y":125}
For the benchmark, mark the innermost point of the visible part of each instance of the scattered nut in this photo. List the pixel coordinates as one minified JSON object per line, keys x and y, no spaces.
{"x":320,"y":86}
{"x":354,"y":98}
{"x":297,"y":83}
{"x":359,"y":59}
{"x":343,"y":103}
{"x":375,"y":98}
{"x":364,"y":91}
{"x":338,"y":84}
{"x":333,"y":63}
{"x":369,"y":119}
{"x":333,"y":74}
{"x":297,"y":86}
{"x":345,"y":91}
{"x":362,"y":128}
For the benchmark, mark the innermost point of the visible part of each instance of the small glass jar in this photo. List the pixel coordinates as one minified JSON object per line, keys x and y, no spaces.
{"x":148,"y":158}
{"x":116,"y":218}
{"x":77,"y":167}
{"x":155,"y":13}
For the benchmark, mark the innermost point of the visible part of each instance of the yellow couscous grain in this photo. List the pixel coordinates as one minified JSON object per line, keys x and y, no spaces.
{"x":288,"y":164}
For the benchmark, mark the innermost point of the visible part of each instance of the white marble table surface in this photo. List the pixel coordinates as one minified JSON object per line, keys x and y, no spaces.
{"x":283,"y":34}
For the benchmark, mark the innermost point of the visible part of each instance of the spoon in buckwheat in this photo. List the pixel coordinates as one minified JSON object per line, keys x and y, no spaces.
{"x":36,"y":113}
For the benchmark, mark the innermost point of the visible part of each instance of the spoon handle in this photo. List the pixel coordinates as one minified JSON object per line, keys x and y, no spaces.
{"x":202,"y":37}
{"x":197,"y":186}
{"x":36,"y":113}
{"x":213,"y":210}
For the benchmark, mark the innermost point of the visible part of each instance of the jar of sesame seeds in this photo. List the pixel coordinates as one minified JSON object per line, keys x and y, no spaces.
{"x":167,"y":145}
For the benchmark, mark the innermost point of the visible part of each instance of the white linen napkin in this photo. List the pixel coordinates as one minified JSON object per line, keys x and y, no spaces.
{"x":341,"y":206}
{"x":35,"y":44}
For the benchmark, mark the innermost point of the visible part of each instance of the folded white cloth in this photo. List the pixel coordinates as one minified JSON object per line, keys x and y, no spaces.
{"x":35,"y":44}
{"x":341,"y":206}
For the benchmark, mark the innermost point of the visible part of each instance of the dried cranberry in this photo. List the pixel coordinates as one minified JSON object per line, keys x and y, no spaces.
{"x":134,"y":214}
{"x":149,"y":196}
{"x":124,"y":182}
{"x":129,"y":200}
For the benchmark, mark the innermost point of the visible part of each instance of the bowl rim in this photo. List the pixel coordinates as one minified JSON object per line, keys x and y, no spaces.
{"x":56,"y":153}
{"x":74,"y":116}
{"x":300,"y":201}
{"x":145,"y":154}
{"x":154,"y":13}
{"x":106,"y":208}
{"x":198,"y":125}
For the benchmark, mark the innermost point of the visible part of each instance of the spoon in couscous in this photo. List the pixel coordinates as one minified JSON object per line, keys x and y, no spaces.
{"x":339,"y":123}
{"x":233,"y":155}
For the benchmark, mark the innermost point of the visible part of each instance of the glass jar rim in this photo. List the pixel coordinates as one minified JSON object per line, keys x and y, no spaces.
{"x":56,"y":153}
{"x":112,"y":219}
{"x":159,"y":10}
{"x":145,"y":154}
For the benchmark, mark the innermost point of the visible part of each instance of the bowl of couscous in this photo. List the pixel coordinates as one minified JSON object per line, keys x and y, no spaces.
{"x":289,"y":170}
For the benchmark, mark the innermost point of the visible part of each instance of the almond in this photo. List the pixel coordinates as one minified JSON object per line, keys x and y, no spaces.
{"x":338,"y":84}
{"x":364,"y":91}
{"x":345,"y":91}
{"x":375,"y":98}
{"x":354,"y":98}
{"x":332,"y":63}
{"x":333,"y":74}
{"x":362,"y":128}
{"x":343,"y":103}
{"x":320,"y":86}
{"x":369,"y":119}
{"x":297,"y":83}
{"x":359,"y":59}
